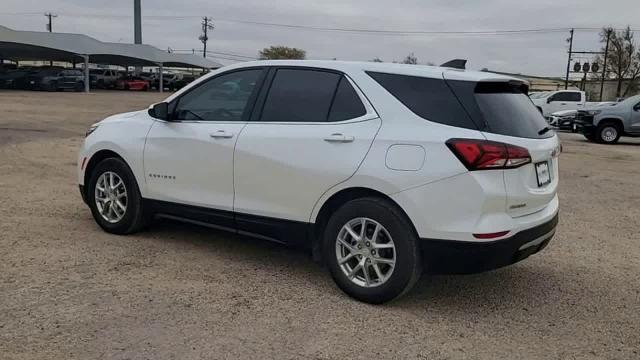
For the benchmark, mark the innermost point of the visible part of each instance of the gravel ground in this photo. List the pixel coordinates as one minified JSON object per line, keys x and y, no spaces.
{"x":70,"y":291}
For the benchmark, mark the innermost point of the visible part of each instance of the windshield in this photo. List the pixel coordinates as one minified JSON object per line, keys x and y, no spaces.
{"x":629,"y":101}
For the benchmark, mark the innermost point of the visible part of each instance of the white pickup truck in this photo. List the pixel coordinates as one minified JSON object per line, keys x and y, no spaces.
{"x":554,"y":101}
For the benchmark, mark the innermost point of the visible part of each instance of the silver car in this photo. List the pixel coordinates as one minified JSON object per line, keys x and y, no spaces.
{"x":605,"y":124}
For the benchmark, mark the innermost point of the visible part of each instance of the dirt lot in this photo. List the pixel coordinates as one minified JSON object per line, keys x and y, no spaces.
{"x":70,"y":291}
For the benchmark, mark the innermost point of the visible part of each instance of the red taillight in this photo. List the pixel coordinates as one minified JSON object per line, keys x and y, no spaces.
{"x":485,"y":154}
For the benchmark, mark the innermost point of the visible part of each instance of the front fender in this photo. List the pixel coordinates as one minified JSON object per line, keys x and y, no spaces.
{"x":603,"y":117}
{"x":125,"y":138}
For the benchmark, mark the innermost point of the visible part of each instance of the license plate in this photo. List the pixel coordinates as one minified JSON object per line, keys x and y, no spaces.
{"x":542,"y":173}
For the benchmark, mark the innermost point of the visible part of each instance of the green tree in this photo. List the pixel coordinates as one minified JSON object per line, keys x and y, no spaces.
{"x":282,"y":52}
{"x":623,"y":59}
{"x":376,"y":59}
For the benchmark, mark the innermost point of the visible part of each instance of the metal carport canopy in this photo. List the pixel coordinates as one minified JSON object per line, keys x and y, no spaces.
{"x":35,"y":45}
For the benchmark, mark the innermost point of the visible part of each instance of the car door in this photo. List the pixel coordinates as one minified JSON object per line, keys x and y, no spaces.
{"x":189,"y":159}
{"x":310,"y":131}
{"x":635,"y":119}
{"x":565,"y":100}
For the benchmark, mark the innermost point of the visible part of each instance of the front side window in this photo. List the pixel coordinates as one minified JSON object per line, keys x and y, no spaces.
{"x":300,"y":96}
{"x":223,"y":98}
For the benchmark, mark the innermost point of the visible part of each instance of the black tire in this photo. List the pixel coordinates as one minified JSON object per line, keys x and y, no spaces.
{"x":53,"y":86}
{"x":605,"y":129}
{"x":590,"y":137}
{"x":145,"y":88}
{"x":408,"y":263}
{"x":134,"y":218}
{"x":79,"y":86}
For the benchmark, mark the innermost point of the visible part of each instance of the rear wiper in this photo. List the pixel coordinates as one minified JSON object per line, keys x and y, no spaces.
{"x":544,"y":130}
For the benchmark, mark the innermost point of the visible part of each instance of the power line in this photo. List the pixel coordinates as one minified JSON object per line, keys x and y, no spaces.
{"x":341,"y":29}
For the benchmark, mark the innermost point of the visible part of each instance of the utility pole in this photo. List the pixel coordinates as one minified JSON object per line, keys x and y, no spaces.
{"x":604,"y":66}
{"x":137,"y":28}
{"x":137,"y":22}
{"x":566,"y":79}
{"x":207,"y":25}
{"x":50,"y":26}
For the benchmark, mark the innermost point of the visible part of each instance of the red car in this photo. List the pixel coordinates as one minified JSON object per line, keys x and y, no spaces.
{"x":132,"y":83}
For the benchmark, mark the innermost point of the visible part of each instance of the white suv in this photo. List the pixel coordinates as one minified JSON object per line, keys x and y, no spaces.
{"x":378,"y":169}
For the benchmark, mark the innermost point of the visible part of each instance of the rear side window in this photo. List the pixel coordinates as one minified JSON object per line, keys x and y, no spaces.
{"x":346,"y":103}
{"x":300,"y":96}
{"x":503,"y":108}
{"x":429,"y":98}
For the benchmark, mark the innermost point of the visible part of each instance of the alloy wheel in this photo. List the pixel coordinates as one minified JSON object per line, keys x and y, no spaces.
{"x":111,"y":197}
{"x":365,"y":252}
{"x":609,"y":133}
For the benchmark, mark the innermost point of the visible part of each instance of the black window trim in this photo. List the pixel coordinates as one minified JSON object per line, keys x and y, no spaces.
{"x":251,"y":102}
{"x":370,"y":112}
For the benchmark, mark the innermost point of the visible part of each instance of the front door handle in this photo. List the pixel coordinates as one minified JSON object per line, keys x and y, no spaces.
{"x":337,"y":137}
{"x":221,"y":134}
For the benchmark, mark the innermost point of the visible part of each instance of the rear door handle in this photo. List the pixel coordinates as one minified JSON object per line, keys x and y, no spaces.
{"x":337,"y":137}
{"x":221,"y":134}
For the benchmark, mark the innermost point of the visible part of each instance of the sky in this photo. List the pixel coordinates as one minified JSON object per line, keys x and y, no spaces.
{"x":176,"y":25}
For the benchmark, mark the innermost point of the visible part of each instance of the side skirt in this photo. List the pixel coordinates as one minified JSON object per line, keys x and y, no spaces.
{"x":288,"y":232}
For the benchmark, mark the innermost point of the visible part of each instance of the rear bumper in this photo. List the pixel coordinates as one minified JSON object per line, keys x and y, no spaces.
{"x":465,"y":257}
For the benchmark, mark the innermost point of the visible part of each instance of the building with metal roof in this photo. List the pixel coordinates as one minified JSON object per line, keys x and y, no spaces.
{"x":75,"y":48}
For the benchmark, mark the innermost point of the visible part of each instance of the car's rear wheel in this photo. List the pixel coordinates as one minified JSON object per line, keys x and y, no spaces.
{"x":114,"y":198}
{"x":372,"y":250}
{"x":608,"y":133}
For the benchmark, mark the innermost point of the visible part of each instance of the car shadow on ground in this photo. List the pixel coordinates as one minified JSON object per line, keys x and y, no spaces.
{"x":524,"y":285}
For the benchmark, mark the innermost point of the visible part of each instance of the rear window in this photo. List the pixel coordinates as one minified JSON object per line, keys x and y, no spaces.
{"x":346,"y":103}
{"x":501,"y":107}
{"x":300,"y":96}
{"x":429,"y":98}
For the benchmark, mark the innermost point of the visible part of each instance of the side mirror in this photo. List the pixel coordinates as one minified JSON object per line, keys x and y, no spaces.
{"x":549,"y":100}
{"x":159,"y":111}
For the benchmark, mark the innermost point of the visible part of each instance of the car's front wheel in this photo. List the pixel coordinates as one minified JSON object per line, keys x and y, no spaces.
{"x":114,"y":198}
{"x":608,"y":133}
{"x":372,"y":250}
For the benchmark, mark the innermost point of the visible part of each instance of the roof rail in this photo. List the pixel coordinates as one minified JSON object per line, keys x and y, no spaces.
{"x":456,"y":64}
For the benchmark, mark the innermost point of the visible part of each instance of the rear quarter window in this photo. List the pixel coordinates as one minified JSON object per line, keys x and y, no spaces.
{"x":429,"y":98}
